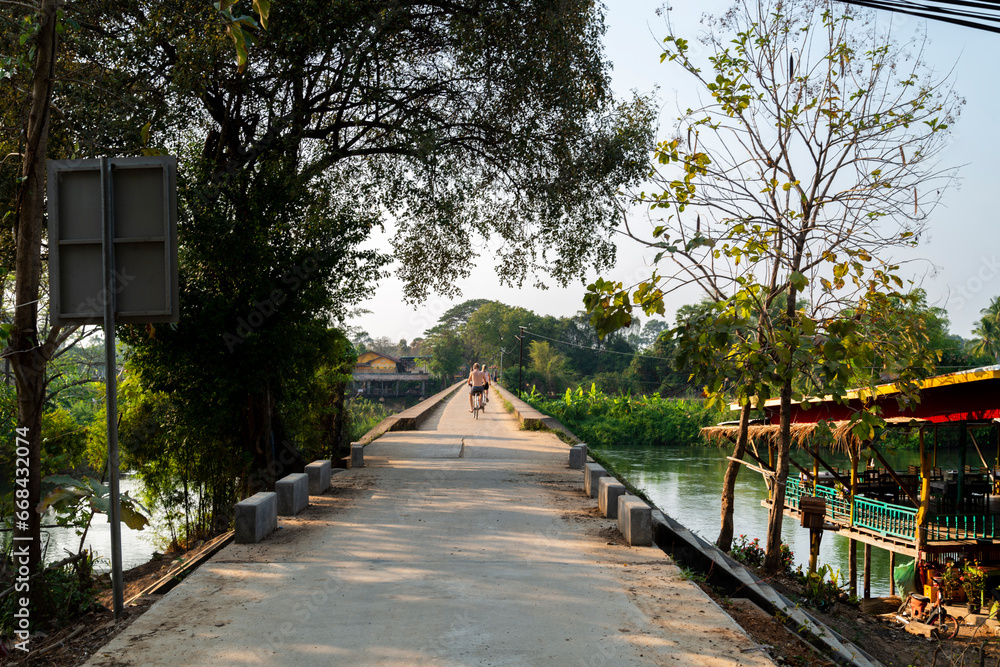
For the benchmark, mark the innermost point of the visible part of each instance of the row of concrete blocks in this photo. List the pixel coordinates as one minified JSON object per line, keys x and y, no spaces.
{"x":635,"y":517}
{"x":257,"y":516}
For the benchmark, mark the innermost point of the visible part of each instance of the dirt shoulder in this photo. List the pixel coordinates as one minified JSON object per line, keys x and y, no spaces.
{"x":74,"y":644}
{"x":875,"y":631}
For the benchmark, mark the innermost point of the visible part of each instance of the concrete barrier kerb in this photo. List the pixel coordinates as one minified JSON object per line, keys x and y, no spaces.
{"x":256,"y":517}
{"x":530,"y":418}
{"x":411,"y":418}
{"x":635,"y":521}
{"x":608,"y":491}
{"x":293,"y":493}
{"x":592,"y":472}
{"x":319,"y":477}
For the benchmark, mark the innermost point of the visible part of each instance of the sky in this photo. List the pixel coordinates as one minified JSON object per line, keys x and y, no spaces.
{"x":958,"y":261}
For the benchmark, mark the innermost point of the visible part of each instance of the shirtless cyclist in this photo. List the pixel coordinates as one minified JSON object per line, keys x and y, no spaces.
{"x":478,"y":383}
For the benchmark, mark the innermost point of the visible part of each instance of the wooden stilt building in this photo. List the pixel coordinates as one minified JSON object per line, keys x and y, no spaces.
{"x":926,"y":512}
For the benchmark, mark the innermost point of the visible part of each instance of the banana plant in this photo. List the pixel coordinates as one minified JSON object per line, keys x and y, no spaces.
{"x":71,"y":497}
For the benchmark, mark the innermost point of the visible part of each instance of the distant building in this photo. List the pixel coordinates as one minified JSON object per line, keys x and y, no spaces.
{"x":377,"y":374}
{"x":374,"y":362}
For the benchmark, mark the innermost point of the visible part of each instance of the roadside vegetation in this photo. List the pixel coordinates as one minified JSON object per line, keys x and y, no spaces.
{"x":622,"y":420}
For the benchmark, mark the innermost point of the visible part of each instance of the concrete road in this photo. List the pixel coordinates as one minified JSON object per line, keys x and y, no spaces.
{"x":469,"y":542}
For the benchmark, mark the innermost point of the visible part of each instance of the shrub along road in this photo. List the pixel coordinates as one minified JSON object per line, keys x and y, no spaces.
{"x":468,"y":542}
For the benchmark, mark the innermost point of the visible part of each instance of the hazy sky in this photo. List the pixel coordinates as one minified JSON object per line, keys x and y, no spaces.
{"x":964,"y":240}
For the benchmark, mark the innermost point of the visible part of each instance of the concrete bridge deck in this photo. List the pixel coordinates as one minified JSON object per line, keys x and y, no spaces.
{"x":468,"y":542}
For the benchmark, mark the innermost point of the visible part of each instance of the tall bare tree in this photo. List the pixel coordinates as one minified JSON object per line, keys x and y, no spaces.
{"x":787,"y":197}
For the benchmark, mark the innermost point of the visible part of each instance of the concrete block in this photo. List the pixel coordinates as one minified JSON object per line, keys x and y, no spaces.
{"x":608,"y":491}
{"x":319,"y":477}
{"x":635,"y":521}
{"x":591,"y":473}
{"x":357,"y":455}
{"x":293,"y":493}
{"x":577,"y":456}
{"x":256,"y":517}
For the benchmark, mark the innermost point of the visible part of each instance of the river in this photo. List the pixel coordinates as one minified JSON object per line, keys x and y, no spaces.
{"x":137,"y":545}
{"x":686,"y":483}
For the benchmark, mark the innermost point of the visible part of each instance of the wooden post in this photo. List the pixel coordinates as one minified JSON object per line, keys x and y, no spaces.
{"x":892,"y":568}
{"x":854,"y":481}
{"x":815,"y":469}
{"x":815,"y":536}
{"x":925,"y":499}
{"x":935,"y":446}
{"x":962,"y":443}
{"x":852,"y":566}
{"x":868,"y":572}
{"x":812,"y":516}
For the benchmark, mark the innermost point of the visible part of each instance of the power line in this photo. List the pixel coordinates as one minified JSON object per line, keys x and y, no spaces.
{"x":976,"y":14}
{"x":595,"y":349}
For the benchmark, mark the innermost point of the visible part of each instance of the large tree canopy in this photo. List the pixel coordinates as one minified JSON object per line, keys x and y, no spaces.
{"x":447,"y":120}
{"x":460,"y":118}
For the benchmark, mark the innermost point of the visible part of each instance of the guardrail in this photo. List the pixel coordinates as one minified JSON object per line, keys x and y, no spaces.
{"x":946,"y":527}
{"x":877,"y":516}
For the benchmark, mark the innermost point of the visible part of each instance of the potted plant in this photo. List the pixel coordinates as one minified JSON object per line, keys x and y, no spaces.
{"x":973,"y":582}
{"x":951,"y":583}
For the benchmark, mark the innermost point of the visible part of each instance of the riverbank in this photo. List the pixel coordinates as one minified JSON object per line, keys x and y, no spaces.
{"x":75,"y":643}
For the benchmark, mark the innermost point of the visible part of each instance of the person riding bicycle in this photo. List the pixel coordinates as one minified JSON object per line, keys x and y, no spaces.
{"x":478,"y":381}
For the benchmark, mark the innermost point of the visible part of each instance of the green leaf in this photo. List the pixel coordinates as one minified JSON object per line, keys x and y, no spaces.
{"x":263,"y":8}
{"x":798,"y":281}
{"x":131,"y":518}
{"x":64,"y":480}
{"x":58,"y":497}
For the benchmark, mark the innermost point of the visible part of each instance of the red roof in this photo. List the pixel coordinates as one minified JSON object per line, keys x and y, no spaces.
{"x":972,"y":395}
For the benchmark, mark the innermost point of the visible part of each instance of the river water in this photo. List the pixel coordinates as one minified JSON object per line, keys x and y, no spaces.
{"x":686,"y":483}
{"x":137,"y":545}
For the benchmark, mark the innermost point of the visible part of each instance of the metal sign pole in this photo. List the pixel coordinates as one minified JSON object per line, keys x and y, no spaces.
{"x":111,"y":383}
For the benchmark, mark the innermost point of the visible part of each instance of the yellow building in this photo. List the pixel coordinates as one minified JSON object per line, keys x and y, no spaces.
{"x":373,"y":362}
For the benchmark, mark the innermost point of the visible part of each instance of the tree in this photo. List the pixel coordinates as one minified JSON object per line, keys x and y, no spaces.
{"x":493,"y":327}
{"x":446,"y":355}
{"x":814,"y":161}
{"x":29,"y":349}
{"x":37,"y":70}
{"x":548,"y":363}
{"x":987,"y":332}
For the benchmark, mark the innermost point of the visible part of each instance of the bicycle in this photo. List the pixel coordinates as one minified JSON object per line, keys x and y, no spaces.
{"x":477,"y":404}
{"x":915,"y":608}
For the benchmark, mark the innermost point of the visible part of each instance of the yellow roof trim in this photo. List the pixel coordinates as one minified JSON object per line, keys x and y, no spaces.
{"x":962,"y":377}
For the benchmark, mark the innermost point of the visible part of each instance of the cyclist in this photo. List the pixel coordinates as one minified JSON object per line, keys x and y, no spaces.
{"x":478,"y":383}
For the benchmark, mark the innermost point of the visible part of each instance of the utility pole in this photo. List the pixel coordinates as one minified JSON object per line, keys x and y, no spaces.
{"x":520,"y":360}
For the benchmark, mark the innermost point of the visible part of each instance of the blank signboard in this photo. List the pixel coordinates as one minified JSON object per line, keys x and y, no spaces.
{"x":143,"y":215}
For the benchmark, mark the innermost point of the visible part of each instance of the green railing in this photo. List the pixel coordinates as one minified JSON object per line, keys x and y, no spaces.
{"x":838,"y":508}
{"x":885,"y":518}
{"x":894,"y":520}
{"x":945,"y":527}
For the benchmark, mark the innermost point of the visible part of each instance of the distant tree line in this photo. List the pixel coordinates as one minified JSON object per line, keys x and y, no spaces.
{"x":566,"y":352}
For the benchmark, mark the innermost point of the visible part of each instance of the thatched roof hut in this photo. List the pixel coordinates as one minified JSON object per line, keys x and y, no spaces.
{"x":844,"y":438}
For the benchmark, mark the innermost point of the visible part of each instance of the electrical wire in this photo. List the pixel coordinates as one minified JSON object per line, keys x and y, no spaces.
{"x":595,"y":349}
{"x":977,"y":14}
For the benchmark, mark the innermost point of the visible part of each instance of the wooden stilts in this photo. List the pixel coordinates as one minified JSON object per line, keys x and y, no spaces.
{"x":868,"y":572}
{"x":815,"y":536}
{"x":852,"y":566}
{"x":815,"y":470}
{"x":925,"y":499}
{"x":892,"y":567}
